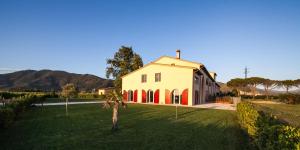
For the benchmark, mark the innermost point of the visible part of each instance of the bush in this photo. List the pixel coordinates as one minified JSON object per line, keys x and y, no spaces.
{"x":90,"y":96}
{"x":265,"y":130}
{"x":7,"y":117}
{"x":10,"y":111}
{"x":224,"y":99}
{"x":278,"y":137}
{"x":290,"y":98}
{"x":248,"y":117}
{"x":9,"y":95}
{"x":263,"y":97}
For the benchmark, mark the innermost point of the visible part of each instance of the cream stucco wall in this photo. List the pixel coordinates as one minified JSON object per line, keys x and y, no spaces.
{"x":175,"y":74}
{"x":171,"y":77}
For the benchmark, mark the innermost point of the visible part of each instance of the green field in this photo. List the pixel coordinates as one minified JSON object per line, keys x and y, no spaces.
{"x":286,"y":112}
{"x":141,"y":127}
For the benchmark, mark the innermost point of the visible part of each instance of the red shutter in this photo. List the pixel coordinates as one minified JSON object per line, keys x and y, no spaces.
{"x":185,"y":99}
{"x":135,"y":95}
{"x":124,"y":95}
{"x":156,"y":96}
{"x":167,"y":97}
{"x":144,"y":96}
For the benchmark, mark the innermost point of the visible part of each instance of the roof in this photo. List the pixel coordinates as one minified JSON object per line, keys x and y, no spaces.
{"x":200,"y":65}
{"x":196,"y":63}
{"x":107,"y":88}
{"x":153,"y":63}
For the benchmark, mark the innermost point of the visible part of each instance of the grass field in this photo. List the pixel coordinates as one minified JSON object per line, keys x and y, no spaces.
{"x":141,"y":127}
{"x":286,"y":112}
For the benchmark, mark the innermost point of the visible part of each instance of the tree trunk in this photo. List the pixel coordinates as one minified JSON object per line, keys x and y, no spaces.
{"x":253,"y":92}
{"x":66,"y":106}
{"x":267,"y":93}
{"x":115,"y":116}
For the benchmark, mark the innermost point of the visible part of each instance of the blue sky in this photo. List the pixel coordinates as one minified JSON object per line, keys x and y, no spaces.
{"x":225,"y":35}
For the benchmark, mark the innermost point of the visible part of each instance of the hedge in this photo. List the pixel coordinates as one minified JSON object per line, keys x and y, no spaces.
{"x":290,"y":98}
{"x":271,"y":97}
{"x":9,"y":112}
{"x":89,"y":96}
{"x":265,"y":130}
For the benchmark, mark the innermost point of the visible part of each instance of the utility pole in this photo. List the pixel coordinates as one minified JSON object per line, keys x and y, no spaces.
{"x":246,"y":72}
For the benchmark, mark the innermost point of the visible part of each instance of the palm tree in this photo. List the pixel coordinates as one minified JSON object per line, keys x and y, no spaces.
{"x":113,"y":99}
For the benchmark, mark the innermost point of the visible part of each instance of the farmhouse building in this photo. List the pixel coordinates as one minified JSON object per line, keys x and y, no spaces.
{"x":104,"y":91}
{"x":170,"y":80}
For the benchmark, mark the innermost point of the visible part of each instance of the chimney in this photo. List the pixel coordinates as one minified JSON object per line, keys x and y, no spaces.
{"x":178,"y":54}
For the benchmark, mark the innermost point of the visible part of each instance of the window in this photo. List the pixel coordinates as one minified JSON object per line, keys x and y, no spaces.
{"x":157,"y":77}
{"x":144,"y":78}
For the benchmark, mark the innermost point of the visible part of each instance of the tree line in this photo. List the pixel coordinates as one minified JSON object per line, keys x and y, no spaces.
{"x":251,"y":84}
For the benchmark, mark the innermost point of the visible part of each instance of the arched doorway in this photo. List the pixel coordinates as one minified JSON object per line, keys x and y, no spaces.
{"x":150,"y":97}
{"x":185,"y":97}
{"x":167,"y":96}
{"x":130,"y":96}
{"x":135,"y":95}
{"x":144,"y":94}
{"x":175,"y":97}
{"x":156,"y":96}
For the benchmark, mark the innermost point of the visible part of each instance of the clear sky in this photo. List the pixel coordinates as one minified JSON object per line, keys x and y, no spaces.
{"x":225,"y":35}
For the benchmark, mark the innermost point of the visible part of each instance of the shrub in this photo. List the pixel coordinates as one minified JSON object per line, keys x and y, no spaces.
{"x":248,"y":117}
{"x":224,"y":99}
{"x":7,"y":117}
{"x":9,"y":95}
{"x":84,"y":95}
{"x":265,"y":130}
{"x":260,"y":97}
{"x":9,"y":112}
{"x":278,"y":137}
{"x":290,"y":98}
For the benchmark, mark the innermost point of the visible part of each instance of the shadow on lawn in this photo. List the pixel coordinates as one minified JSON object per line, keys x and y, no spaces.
{"x":164,"y":132}
{"x":140,"y":127}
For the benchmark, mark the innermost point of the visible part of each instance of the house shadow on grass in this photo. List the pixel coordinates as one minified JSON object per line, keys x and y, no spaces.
{"x":164,"y":132}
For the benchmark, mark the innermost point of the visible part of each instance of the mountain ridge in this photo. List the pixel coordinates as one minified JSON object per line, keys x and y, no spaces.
{"x":50,"y":80}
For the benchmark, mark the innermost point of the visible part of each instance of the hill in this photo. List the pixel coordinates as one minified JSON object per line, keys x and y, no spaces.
{"x":48,"y":80}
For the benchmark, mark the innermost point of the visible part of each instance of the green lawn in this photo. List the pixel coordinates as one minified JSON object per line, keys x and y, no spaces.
{"x":141,"y":127}
{"x":286,"y":112}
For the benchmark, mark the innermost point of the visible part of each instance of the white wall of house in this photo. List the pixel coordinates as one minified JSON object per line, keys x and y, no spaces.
{"x":175,"y":74}
{"x":172,"y":77}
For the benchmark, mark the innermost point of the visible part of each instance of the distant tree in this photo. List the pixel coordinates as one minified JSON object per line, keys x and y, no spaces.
{"x":68,"y":91}
{"x":237,"y":84}
{"x":297,"y":82}
{"x":288,"y":84}
{"x":114,"y":99}
{"x":124,"y":62}
{"x":253,"y":82}
{"x":268,"y":86}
